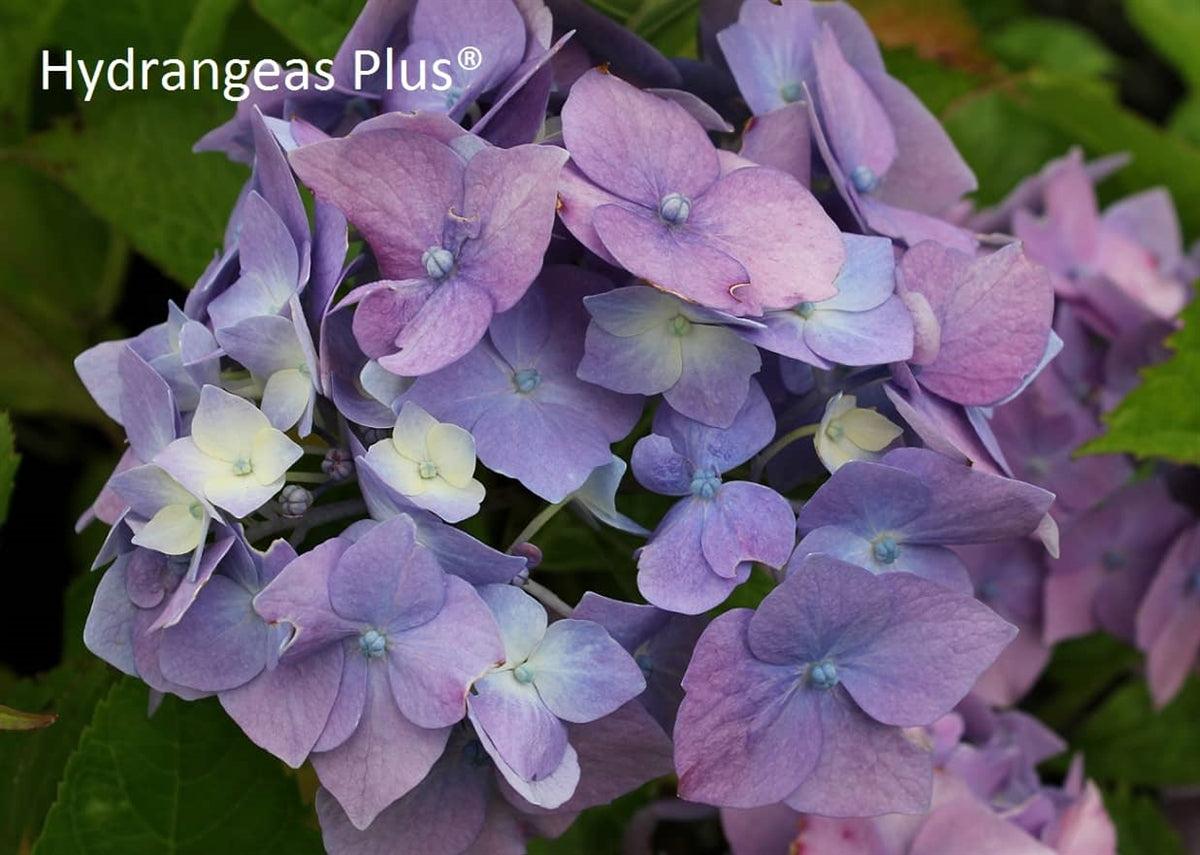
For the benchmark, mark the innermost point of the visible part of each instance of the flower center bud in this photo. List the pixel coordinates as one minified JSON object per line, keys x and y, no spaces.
{"x":864,"y":179}
{"x":679,"y":326}
{"x":526,"y":380}
{"x":705,"y":483}
{"x":791,"y":92}
{"x":427,"y":470}
{"x":372,"y":643}
{"x":645,"y":662}
{"x":674,"y":209}
{"x":885,"y":550}
{"x":196,"y":510}
{"x":834,"y":430}
{"x":523,"y":673}
{"x":805,"y":309}
{"x":242,"y":466}
{"x":823,"y":675}
{"x":439,"y":262}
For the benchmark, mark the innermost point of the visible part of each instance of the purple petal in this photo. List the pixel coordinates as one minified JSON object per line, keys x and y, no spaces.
{"x":285,"y":709}
{"x":581,"y":673}
{"x":447,"y":326}
{"x":219,"y":644}
{"x":386,"y":757}
{"x":432,"y":665}
{"x":299,"y":595}
{"x":747,"y":522}
{"x":672,"y":571}
{"x":855,"y":122}
{"x":655,"y":148}
{"x":523,"y":735}
{"x":742,"y":739}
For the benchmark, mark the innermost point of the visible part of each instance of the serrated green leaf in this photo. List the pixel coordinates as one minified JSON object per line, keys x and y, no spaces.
{"x":1173,"y":26}
{"x":1127,"y":740}
{"x":33,"y":763}
{"x":9,"y":460}
{"x":59,"y":280}
{"x":1052,"y":44}
{"x":316,"y":27}
{"x":184,"y":781}
{"x":1161,"y":417}
{"x":1142,"y":829}
{"x":131,"y":163}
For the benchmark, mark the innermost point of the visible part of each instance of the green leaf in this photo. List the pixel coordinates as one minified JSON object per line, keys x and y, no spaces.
{"x":1161,"y":417}
{"x":937,"y":85}
{"x":9,"y":460}
{"x":1088,"y":113}
{"x":59,"y":280}
{"x":1053,"y":44}
{"x":1080,"y":673}
{"x":317,"y":27}
{"x":11,"y":719}
{"x":131,"y":163}
{"x":23,"y":29}
{"x":1127,"y":740}
{"x":598,"y":831}
{"x":1173,"y":26}
{"x":184,"y":781}
{"x":1001,"y":141}
{"x":1185,"y":121}
{"x":669,"y":25}
{"x":33,"y":763}
{"x":1142,"y":829}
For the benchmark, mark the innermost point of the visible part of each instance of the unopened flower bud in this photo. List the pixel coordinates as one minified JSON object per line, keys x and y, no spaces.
{"x":294,"y":501}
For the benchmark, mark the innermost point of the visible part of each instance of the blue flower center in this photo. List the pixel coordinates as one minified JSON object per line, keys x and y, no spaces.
{"x":242,"y":466}
{"x":674,"y":209}
{"x":679,"y":326}
{"x":523,"y":673}
{"x":196,"y":510}
{"x":805,"y":309}
{"x":526,"y":380}
{"x":453,"y":96}
{"x":823,"y":675}
{"x":791,"y":92}
{"x":834,"y":430}
{"x":646,"y":662}
{"x":864,"y":179}
{"x":427,"y":470}
{"x":372,"y":644}
{"x":705,"y":483}
{"x":439,"y":262}
{"x":885,"y":550}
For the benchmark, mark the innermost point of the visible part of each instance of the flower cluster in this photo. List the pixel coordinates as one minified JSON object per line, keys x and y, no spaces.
{"x":569,"y":264}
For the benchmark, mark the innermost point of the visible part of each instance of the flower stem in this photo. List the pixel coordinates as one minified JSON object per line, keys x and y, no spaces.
{"x":312,"y":519}
{"x":535,"y":525}
{"x":307,"y":477}
{"x":780,"y":444}
{"x":547,"y":598}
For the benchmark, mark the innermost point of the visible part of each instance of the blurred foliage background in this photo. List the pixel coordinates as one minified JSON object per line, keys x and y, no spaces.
{"x":105,"y":215}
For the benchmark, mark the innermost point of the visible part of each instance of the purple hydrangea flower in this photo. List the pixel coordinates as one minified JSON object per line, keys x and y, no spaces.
{"x":900,"y":513}
{"x":402,"y":640}
{"x":568,"y":671}
{"x":518,"y":390}
{"x":804,"y":700}
{"x":703,"y":548}
{"x":645,"y":190}
{"x":865,"y":323}
{"x":643,"y":341}
{"x":459,"y":237}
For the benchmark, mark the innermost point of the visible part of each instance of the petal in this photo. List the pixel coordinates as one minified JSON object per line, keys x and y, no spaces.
{"x":225,"y":425}
{"x":174,"y":530}
{"x":433,"y":665}
{"x":744,"y":736}
{"x":386,"y":757}
{"x":523,"y":735}
{"x":672,"y":571}
{"x":521,"y":618}
{"x":299,"y":595}
{"x":447,"y":326}
{"x":747,"y":522}
{"x":219,"y":644}
{"x":581,"y":673}
{"x":634,"y":144}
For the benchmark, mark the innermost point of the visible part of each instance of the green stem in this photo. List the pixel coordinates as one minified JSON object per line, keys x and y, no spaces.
{"x":307,"y":477}
{"x":783,"y":442}
{"x":547,"y":598}
{"x":535,"y":524}
{"x":312,"y":519}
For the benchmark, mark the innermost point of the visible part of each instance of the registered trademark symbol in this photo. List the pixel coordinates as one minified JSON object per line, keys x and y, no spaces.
{"x":470,"y":58}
